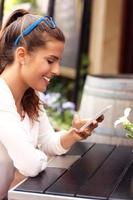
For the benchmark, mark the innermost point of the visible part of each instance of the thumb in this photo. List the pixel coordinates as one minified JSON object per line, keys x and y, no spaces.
{"x":75,"y":118}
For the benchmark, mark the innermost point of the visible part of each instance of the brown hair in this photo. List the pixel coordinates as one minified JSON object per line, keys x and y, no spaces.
{"x":16,"y":23}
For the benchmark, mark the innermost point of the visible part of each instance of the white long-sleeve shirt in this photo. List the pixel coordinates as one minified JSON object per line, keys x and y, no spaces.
{"x":26,"y":143}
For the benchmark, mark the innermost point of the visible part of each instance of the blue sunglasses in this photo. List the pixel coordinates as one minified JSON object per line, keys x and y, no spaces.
{"x":48,"y":21}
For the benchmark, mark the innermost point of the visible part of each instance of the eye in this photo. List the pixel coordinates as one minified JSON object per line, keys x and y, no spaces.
{"x":50,"y":61}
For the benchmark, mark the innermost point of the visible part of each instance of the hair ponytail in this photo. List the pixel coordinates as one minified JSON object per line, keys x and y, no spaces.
{"x":14,"y":16}
{"x":8,"y":34}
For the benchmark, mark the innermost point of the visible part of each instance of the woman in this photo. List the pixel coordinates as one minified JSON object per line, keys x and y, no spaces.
{"x":31,"y":48}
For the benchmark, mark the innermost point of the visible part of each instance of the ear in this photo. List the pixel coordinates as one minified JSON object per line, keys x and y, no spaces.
{"x":21,"y":54}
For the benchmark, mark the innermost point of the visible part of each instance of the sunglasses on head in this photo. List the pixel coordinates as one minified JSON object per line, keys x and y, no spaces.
{"x":48,"y":21}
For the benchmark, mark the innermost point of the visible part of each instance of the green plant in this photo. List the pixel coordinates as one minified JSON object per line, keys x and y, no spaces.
{"x":59,"y":110}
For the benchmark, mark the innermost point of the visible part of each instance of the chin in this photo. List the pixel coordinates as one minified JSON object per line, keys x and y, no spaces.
{"x":41,"y":89}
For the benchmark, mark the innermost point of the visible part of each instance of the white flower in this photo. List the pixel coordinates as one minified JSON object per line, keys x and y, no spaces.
{"x":123,"y":119}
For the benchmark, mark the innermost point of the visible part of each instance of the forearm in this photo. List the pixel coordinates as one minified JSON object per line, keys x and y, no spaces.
{"x":74,"y":135}
{"x":68,"y":139}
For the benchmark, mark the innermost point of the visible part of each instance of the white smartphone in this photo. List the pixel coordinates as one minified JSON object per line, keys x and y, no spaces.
{"x":95,"y":117}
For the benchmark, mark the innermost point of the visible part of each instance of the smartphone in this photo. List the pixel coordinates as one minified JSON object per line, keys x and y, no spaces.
{"x":99,"y":114}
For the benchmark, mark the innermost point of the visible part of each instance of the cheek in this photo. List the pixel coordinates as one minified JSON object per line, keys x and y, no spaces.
{"x":46,"y":69}
{"x":43,"y":67}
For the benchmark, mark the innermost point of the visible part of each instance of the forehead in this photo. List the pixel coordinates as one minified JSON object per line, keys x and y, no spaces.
{"x":54,"y":47}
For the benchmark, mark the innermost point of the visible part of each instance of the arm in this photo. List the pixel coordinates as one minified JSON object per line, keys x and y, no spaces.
{"x":76,"y":133}
{"x":57,"y":143}
{"x":49,"y":141}
{"x":26,"y":158}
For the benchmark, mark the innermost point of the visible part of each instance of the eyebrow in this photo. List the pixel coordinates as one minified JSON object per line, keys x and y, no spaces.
{"x":55,"y":57}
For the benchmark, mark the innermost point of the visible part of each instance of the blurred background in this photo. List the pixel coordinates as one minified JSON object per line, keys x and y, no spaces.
{"x":97,"y":64}
{"x":99,"y":41}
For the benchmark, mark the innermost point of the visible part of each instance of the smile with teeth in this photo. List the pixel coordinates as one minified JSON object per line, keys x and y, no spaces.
{"x":46,"y":78}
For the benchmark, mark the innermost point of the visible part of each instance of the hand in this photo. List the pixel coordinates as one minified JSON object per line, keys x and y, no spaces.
{"x":83,"y":134}
{"x":75,"y":134}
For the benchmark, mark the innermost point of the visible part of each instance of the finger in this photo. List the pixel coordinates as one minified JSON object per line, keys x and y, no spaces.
{"x":72,"y":130}
{"x":100,"y":119}
{"x":76,"y":116}
{"x":85,"y":133}
{"x":88,"y":131}
{"x":93,"y":125}
{"x":75,"y":119}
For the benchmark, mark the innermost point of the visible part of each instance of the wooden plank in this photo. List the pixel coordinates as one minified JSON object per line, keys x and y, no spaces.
{"x":125,"y":188}
{"x":106,"y":178}
{"x":80,"y":148}
{"x":72,"y":180}
{"x":39,"y":183}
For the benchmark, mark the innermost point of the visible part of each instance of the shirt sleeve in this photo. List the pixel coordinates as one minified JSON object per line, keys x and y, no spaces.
{"x":49,"y":140}
{"x":26,"y":158}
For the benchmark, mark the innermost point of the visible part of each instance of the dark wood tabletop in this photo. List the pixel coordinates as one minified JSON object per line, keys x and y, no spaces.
{"x":87,"y":171}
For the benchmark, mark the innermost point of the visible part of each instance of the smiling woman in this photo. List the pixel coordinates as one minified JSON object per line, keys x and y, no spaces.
{"x":31,"y":48}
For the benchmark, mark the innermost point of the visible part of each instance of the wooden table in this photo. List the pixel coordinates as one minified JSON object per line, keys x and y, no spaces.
{"x":87,"y":171}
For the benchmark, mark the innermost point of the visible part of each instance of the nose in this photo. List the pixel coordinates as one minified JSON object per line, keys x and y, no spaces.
{"x":56,"y":69}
